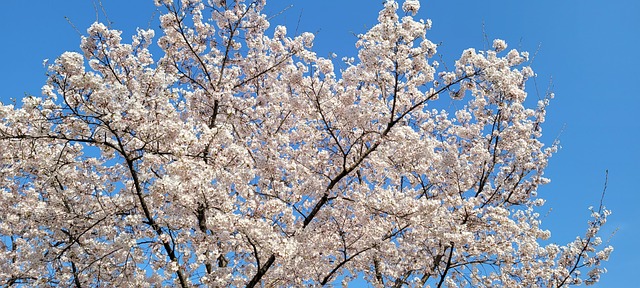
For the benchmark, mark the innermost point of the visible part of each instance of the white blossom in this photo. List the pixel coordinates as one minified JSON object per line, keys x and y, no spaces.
{"x":499,"y":45}
{"x":411,"y":6}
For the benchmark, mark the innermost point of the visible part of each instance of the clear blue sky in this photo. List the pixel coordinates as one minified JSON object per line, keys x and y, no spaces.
{"x":588,"y":48}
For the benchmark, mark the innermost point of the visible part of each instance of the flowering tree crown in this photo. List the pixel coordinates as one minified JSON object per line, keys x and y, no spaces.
{"x":239,"y":157}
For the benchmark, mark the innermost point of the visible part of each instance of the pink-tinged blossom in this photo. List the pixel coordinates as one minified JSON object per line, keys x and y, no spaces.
{"x":411,"y":6}
{"x":239,"y":157}
{"x":499,"y":45}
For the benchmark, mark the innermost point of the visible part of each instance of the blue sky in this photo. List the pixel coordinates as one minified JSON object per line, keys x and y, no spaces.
{"x":588,"y":49}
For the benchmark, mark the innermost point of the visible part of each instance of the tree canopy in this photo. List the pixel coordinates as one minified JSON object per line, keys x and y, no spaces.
{"x":239,"y":157}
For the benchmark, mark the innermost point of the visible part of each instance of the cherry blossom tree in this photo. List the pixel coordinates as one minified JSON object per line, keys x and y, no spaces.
{"x":239,"y":157}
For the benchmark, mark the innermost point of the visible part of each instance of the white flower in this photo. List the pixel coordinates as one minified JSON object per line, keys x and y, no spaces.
{"x":499,"y":45}
{"x":411,"y":6}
